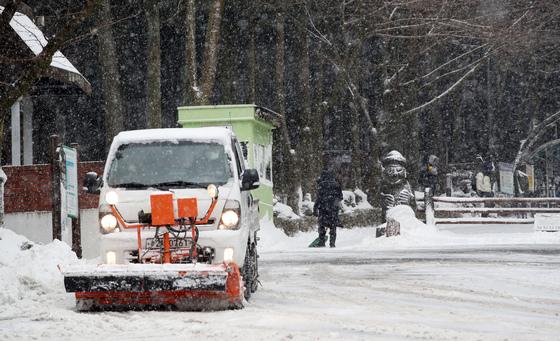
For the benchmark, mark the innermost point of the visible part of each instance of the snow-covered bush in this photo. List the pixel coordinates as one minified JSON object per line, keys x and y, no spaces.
{"x":283,"y":211}
{"x":356,"y":200}
{"x":307,"y":205}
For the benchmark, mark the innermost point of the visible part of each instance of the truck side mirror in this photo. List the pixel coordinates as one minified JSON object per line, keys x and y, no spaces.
{"x":92,"y":183}
{"x":250,"y":180}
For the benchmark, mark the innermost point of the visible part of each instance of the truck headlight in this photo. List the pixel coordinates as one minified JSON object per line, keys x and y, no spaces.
{"x":230,"y":218}
{"x":108,"y":223}
{"x":230,"y":215}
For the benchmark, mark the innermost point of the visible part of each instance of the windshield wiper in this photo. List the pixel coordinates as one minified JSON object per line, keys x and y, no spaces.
{"x":179,"y":183}
{"x":130,"y":185}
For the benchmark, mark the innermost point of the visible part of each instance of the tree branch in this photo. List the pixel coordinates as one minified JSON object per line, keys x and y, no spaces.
{"x":443,"y":94}
{"x":43,"y":60}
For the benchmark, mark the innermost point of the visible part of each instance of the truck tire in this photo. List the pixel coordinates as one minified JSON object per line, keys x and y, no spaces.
{"x":250,"y":271}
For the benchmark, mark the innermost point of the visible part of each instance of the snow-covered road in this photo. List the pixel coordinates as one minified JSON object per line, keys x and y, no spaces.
{"x":462,"y":287}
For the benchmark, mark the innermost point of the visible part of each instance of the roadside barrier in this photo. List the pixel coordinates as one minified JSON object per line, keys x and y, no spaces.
{"x":457,"y":210}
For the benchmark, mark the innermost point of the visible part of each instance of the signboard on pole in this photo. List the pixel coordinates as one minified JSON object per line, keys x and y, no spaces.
{"x":71,"y":163}
{"x":530,"y":171}
{"x":506,"y":177}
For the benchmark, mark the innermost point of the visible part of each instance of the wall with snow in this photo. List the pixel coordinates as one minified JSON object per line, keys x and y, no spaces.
{"x":37,"y":227}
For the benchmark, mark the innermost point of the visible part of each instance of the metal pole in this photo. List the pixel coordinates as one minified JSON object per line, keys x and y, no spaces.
{"x":55,"y":188}
{"x":76,"y":225}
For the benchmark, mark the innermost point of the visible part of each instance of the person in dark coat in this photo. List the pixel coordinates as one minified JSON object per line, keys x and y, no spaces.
{"x":329,"y":195}
{"x":429,"y":174}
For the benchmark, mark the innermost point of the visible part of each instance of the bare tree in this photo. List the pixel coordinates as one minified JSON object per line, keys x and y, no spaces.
{"x":109,"y":74}
{"x":153,"y":87}
{"x":211,"y":47}
{"x":192,"y":90}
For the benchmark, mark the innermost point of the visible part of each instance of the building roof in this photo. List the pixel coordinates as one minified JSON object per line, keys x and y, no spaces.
{"x":61,"y":67}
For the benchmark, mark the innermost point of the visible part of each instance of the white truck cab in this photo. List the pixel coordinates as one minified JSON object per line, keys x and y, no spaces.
{"x":183,"y":161}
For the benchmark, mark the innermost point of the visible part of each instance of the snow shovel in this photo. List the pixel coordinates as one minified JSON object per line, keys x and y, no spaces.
{"x":141,"y":286}
{"x":317,"y":241}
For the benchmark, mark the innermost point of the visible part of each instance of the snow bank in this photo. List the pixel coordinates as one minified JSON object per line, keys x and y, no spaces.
{"x":271,"y":237}
{"x":29,"y":272}
{"x":414,"y":235}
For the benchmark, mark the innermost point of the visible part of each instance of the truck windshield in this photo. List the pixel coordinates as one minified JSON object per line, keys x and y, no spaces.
{"x":169,"y":164}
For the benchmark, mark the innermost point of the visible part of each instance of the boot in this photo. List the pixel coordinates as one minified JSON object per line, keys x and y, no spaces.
{"x":322,"y":236}
{"x":332,"y":234}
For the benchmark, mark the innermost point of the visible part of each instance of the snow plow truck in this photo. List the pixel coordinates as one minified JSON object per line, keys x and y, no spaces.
{"x":178,"y":224}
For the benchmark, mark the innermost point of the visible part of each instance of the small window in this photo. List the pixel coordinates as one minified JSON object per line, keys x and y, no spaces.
{"x":263,"y":161}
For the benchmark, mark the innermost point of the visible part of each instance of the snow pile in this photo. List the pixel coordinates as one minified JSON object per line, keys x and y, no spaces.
{"x":410,"y":226}
{"x":271,"y":237}
{"x":29,"y":272}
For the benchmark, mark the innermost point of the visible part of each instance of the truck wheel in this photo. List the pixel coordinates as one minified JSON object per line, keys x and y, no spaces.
{"x":250,"y":271}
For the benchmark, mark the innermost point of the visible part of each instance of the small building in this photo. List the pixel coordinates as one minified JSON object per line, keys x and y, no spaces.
{"x":253,"y":126}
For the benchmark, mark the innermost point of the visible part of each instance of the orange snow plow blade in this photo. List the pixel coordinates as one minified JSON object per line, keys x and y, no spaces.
{"x":155,"y":286}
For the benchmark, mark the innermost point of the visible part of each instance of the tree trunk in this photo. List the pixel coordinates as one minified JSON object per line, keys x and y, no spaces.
{"x":10,"y":9}
{"x":211,"y":46}
{"x":153,"y":87}
{"x":191,"y":78}
{"x":289,"y":165}
{"x":109,"y":75}
{"x":252,"y":55}
{"x":281,"y":137}
{"x":311,"y":132}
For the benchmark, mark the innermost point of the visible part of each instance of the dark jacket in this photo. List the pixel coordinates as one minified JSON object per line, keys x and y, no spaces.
{"x":428,"y":179}
{"x":329,"y":194}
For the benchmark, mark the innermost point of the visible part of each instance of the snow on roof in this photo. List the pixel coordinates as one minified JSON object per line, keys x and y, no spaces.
{"x":221,"y":135}
{"x":32,"y":36}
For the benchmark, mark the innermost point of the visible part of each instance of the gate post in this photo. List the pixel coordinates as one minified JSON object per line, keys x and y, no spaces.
{"x":429,"y":206}
{"x":76,"y":226}
{"x":3,"y":179}
{"x":55,"y":187}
